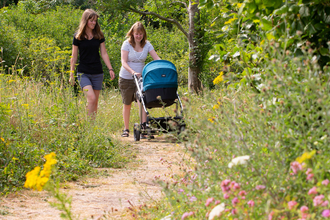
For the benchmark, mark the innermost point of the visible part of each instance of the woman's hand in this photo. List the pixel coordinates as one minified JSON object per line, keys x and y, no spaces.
{"x":71,"y":80}
{"x":138,"y":75}
{"x":112,"y":74}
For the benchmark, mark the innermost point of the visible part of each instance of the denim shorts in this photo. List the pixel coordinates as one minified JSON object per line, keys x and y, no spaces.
{"x":95,"y":80}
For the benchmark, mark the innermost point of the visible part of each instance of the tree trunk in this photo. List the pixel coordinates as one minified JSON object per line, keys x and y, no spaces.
{"x":194,"y":84}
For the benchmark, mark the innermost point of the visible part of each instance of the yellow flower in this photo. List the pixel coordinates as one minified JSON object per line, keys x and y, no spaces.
{"x":216,"y":106}
{"x":37,"y":179}
{"x":305,"y":156}
{"x":211,"y":119}
{"x":2,"y":139}
{"x":218,"y":79}
{"x":26,"y":106}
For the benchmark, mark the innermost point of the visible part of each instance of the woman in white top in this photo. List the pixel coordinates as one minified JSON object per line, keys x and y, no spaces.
{"x":134,"y":52}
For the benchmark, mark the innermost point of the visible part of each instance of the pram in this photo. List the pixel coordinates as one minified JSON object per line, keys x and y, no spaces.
{"x":157,"y":88}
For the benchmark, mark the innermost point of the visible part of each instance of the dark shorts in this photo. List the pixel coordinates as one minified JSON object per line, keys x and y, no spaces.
{"x":95,"y":80}
{"x":127,"y":89}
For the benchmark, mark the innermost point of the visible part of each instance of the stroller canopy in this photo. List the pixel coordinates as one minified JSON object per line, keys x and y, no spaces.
{"x":159,"y":74}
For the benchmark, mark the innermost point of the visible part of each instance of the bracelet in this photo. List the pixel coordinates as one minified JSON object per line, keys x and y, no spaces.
{"x":112,"y":70}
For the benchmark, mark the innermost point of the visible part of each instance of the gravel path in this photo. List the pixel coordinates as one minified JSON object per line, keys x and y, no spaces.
{"x":105,"y":197}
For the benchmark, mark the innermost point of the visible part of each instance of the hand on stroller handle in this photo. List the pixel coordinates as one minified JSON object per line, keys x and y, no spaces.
{"x":138,"y":75}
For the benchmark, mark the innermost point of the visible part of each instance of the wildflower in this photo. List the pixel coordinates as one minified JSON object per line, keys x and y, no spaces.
{"x":250,"y":203}
{"x":180,"y":191}
{"x":310,"y":176}
{"x":295,"y":166}
{"x":208,"y":201}
{"x":192,"y":199}
{"x":304,"y":211}
{"x":225,"y":185}
{"x":186,"y":214}
{"x":216,"y":106}
{"x":233,"y":211}
{"x":326,"y":213}
{"x":37,"y":179}
{"x":234,"y":185}
{"x":305,"y":156}
{"x":309,"y":171}
{"x":216,"y":211}
{"x":218,"y":79}
{"x":312,"y":191}
{"x":226,"y":196}
{"x":292,"y":204}
{"x":270,"y":216}
{"x":167,"y":217}
{"x":234,"y":201}
{"x":259,"y":187}
{"x":242,"y":193}
{"x":211,"y":119}
{"x":217,"y":202}
{"x":325,"y":203}
{"x":238,"y":160}
{"x":325,"y":182}
{"x":318,"y":200}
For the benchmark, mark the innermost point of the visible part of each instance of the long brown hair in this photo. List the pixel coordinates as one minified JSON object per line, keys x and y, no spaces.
{"x":87,"y":15}
{"x":137,"y":27}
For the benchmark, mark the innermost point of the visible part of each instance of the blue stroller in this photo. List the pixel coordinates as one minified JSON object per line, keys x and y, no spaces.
{"x":157,"y":88}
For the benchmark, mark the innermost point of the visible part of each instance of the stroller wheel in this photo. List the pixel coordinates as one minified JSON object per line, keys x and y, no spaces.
{"x":181,"y":129}
{"x":137,"y":132}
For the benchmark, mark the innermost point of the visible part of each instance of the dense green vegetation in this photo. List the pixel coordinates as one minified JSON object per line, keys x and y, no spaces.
{"x":257,"y":136}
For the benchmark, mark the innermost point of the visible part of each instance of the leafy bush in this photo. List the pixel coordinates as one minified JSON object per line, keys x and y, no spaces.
{"x":257,"y":153}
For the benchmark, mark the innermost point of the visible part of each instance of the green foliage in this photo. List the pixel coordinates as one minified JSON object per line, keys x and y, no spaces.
{"x":283,"y":129}
{"x":38,"y":118}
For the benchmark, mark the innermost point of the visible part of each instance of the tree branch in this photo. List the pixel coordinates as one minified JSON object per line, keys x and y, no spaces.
{"x":162,"y":18}
{"x":185,"y":5}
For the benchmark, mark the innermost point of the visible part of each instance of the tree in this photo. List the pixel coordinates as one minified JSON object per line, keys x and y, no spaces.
{"x":171,"y":11}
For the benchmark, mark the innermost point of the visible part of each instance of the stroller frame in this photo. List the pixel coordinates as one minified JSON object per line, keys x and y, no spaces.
{"x":156,"y":125}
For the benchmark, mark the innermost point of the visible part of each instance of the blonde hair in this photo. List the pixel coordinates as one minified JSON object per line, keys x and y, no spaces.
{"x":137,"y":27}
{"x":87,"y":15}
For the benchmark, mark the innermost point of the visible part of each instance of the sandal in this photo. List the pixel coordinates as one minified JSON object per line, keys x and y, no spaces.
{"x":125,"y":133}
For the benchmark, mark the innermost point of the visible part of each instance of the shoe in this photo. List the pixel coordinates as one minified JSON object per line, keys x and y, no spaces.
{"x":125,"y":133}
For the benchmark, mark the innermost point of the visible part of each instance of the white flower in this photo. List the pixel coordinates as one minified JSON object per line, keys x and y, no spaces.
{"x":238,"y":160}
{"x":216,"y":211}
{"x":167,"y":217}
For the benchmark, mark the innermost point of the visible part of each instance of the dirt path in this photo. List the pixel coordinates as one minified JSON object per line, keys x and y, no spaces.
{"x":107,"y":195}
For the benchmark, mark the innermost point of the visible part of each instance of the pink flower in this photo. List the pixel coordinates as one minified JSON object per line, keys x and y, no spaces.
{"x":186,"y":214}
{"x":251,"y":203}
{"x":304,"y":211}
{"x":259,"y":187}
{"x":309,"y":171}
{"x":234,"y":211}
{"x":312,"y":191}
{"x":234,"y":201}
{"x":326,"y":213}
{"x":242,"y":193}
{"x":325,"y":203}
{"x":208,"y":201}
{"x":234,"y":185}
{"x":310,"y":176}
{"x":296,"y":166}
{"x":217,"y":202}
{"x":225,"y":185}
{"x":193,"y":199}
{"x":325,"y":182}
{"x":270,"y":216}
{"x":318,"y":200}
{"x":226,"y":196}
{"x":292,"y":204}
